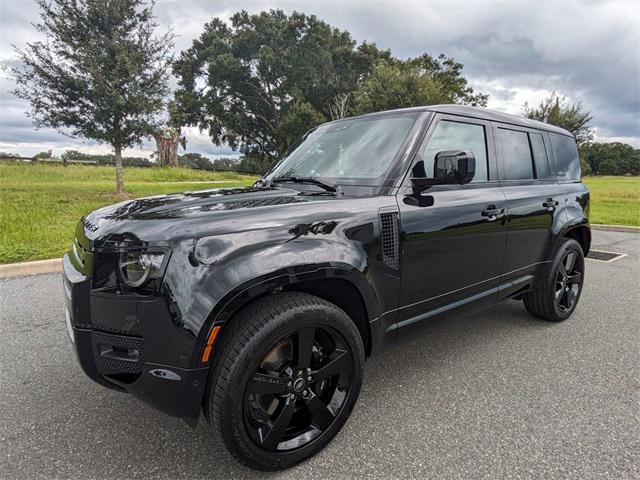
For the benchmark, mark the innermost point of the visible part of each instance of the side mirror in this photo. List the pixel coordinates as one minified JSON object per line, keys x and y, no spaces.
{"x":450,"y":167}
{"x":455,"y":166}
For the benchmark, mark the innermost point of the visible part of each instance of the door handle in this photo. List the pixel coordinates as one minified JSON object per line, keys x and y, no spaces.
{"x":550,"y":204}
{"x":492,"y":213}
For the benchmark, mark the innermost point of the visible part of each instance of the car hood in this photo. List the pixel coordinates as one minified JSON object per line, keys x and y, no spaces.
{"x":203,"y":212}
{"x":202,"y":201}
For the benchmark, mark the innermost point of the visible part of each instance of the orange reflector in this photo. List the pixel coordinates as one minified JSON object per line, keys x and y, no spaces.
{"x":212,"y":338}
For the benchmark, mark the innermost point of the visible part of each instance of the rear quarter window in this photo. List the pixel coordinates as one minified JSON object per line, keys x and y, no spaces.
{"x":540,"y":158}
{"x":566,"y":165}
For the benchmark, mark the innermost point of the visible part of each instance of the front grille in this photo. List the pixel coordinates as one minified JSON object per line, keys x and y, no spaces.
{"x":390,"y":240}
{"x":117,"y":353}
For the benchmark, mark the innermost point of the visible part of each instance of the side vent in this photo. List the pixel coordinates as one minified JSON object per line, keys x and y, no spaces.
{"x":390,"y":239}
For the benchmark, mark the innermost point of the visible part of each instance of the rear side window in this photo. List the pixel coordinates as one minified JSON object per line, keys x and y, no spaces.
{"x":567,"y":161}
{"x":539,"y":155}
{"x":517,"y":163}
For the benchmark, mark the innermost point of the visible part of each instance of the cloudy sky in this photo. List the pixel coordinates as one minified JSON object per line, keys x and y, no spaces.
{"x":515,"y":51}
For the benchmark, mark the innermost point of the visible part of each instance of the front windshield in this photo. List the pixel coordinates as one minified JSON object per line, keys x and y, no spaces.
{"x":348,"y":151}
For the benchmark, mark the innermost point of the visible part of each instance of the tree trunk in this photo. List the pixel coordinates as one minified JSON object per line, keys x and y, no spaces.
{"x":167,"y":142}
{"x":119,"y":171}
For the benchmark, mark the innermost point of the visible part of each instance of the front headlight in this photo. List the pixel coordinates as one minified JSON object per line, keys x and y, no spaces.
{"x":138,"y":268}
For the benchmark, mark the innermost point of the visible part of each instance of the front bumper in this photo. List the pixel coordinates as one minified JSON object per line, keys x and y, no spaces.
{"x":119,"y":361}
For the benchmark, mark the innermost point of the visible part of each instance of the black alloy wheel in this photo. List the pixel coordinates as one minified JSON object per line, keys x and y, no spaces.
{"x":558,"y":284}
{"x":286,"y":374}
{"x":298,"y":389}
{"x":568,"y":281}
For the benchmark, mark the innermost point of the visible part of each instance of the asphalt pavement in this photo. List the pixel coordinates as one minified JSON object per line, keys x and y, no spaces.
{"x":495,"y":394}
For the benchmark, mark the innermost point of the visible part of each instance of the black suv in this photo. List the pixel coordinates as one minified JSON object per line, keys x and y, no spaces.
{"x":259,"y":306}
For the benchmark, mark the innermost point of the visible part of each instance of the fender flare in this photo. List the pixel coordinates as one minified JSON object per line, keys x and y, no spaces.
{"x":246,"y":292}
{"x":573,"y":224}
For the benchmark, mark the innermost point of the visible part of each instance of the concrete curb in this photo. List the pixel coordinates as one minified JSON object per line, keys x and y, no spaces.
{"x":54,"y":265}
{"x":30,"y":268}
{"x":615,"y":228}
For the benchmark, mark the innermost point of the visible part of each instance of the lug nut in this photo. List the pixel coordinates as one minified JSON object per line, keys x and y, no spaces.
{"x":300,"y":373}
{"x":309,"y":378}
{"x":289,"y":383}
{"x":292,"y":396}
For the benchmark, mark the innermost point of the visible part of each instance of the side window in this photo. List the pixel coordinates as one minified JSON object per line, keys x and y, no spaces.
{"x":567,"y":163}
{"x":539,"y":155}
{"x":450,"y":135}
{"x":516,"y":162}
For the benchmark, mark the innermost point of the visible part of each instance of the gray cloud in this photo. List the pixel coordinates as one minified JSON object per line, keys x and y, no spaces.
{"x":516,"y":52}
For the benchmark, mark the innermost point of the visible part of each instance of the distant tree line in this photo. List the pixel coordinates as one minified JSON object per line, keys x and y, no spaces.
{"x":195,"y":161}
{"x":612,"y":158}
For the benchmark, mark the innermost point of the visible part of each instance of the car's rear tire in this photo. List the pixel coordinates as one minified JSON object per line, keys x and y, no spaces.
{"x":559,"y":284}
{"x":287,"y":372}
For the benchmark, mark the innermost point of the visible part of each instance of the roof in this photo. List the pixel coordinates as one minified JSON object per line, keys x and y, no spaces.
{"x":485,"y":114}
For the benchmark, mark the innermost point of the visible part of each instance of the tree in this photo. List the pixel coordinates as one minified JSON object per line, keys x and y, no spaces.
{"x":195,"y":161}
{"x":340,"y":106}
{"x":260,"y":82}
{"x":228,"y":164}
{"x":100,"y":72}
{"x":448,"y":74}
{"x":71,"y":155}
{"x":557,"y":111}
{"x":42,"y":156}
{"x":419,"y":81}
{"x":614,"y":158}
{"x":167,"y":141}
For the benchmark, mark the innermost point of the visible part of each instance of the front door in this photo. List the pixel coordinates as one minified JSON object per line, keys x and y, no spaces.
{"x":453,"y":236}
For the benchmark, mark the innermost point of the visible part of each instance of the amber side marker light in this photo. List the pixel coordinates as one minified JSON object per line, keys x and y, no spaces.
{"x":210,"y":341}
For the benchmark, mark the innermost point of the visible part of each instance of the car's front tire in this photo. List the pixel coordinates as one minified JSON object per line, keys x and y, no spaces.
{"x":559,"y":284}
{"x":287,"y":372}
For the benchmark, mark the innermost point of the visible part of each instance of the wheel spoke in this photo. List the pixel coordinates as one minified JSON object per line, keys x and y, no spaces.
{"x":562,"y":271}
{"x":321,"y":415}
{"x":575,"y":278}
{"x":573,"y":294}
{"x":303,"y":347}
{"x":339,"y":363}
{"x":559,"y":294}
{"x":267,"y":383}
{"x":566,"y":301}
{"x":278,"y":427}
{"x":570,"y":261}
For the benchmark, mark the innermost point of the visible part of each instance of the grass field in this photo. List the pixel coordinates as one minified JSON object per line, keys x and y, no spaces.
{"x":614,"y":200}
{"x":40,"y":204}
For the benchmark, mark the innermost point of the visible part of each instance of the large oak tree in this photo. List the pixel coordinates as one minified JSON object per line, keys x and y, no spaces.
{"x":99,"y":72}
{"x":261,"y":81}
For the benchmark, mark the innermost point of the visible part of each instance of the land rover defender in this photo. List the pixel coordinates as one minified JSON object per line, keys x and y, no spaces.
{"x":257,"y":307}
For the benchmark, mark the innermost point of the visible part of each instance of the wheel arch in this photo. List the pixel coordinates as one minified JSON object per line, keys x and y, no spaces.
{"x":581,"y":233}
{"x":341,"y":285}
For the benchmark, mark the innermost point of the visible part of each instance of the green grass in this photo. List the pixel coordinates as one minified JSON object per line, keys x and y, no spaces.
{"x":614,"y":200}
{"x":41,"y":204}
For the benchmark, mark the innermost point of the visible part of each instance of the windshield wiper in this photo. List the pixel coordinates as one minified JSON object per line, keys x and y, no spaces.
{"x":310,"y":180}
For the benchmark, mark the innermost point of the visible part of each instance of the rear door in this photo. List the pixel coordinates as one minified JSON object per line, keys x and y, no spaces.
{"x":453,"y":236}
{"x":534,"y":199}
